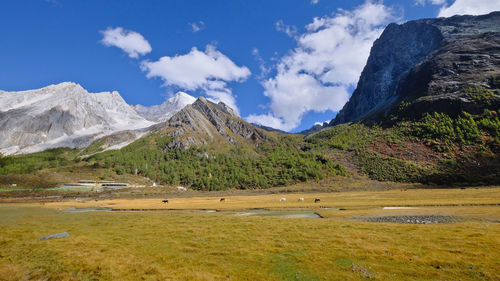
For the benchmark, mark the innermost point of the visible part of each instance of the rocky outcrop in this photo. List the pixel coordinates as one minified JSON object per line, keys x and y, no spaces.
{"x":206,"y":122}
{"x":431,"y":63}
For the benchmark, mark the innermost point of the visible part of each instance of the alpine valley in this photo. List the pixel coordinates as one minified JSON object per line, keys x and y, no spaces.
{"x":425,"y":111}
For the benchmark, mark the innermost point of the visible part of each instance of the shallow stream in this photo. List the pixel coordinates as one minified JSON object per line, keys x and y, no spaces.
{"x":279,"y":213}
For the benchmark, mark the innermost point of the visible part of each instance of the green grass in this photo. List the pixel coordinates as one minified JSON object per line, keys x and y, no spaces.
{"x":29,"y":163}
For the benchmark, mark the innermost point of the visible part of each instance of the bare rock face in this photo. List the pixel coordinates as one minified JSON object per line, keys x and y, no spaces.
{"x":62,"y":115}
{"x":205,"y":122}
{"x":431,"y":62}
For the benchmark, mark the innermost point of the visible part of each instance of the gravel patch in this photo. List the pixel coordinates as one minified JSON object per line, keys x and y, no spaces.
{"x":430,"y":219}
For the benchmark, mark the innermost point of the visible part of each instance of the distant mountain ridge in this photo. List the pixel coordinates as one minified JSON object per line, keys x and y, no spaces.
{"x":430,"y":62}
{"x":62,"y":115}
{"x":162,"y":112}
{"x":66,"y":115}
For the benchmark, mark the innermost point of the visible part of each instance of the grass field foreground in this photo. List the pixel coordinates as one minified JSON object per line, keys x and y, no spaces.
{"x":192,"y":245}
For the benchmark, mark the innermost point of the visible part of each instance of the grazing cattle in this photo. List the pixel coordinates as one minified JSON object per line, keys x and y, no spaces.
{"x":164,"y":201}
{"x":317,"y":200}
{"x":301,"y":199}
{"x":222,"y":199}
{"x":283,"y":199}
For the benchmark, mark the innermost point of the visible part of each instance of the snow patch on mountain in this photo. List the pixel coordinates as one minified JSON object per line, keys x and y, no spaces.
{"x":62,"y":115}
{"x":163,"y":112}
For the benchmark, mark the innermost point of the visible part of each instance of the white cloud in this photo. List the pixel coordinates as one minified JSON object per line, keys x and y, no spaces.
{"x":264,"y":70}
{"x":329,"y":57}
{"x":289,"y":30}
{"x":470,"y":7}
{"x":197,"y":26}
{"x":223,"y":95}
{"x":321,"y":123}
{"x":266,"y":120}
{"x":314,"y":2}
{"x":129,"y":41}
{"x":208,"y":70}
{"x":433,"y":2}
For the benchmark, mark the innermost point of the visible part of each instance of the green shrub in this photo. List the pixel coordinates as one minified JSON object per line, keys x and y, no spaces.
{"x":390,"y":168}
{"x":480,"y":96}
{"x":462,"y":130}
{"x":346,"y":136}
{"x":29,"y":163}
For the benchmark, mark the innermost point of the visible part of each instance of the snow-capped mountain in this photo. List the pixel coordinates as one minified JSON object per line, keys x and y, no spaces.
{"x":163,"y":112}
{"x":62,"y":115}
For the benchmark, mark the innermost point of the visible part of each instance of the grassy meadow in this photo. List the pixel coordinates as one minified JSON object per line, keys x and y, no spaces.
{"x":347,"y":200}
{"x":186,"y":244}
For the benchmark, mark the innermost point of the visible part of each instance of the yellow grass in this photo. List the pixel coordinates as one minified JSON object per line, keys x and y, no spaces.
{"x":189,"y":245}
{"x":350,"y":200}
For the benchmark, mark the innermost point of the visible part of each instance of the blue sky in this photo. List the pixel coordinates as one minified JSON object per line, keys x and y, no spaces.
{"x":283,"y":63}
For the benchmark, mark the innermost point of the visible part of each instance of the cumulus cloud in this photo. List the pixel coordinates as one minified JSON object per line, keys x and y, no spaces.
{"x":129,"y":41}
{"x":318,"y":73}
{"x":314,"y":2}
{"x":289,"y":30}
{"x":197,"y":26}
{"x":208,"y":70}
{"x":470,"y":7}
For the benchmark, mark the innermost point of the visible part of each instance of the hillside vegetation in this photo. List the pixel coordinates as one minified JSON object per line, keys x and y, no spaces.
{"x":272,"y":163}
{"x":278,"y":161}
{"x":434,"y":149}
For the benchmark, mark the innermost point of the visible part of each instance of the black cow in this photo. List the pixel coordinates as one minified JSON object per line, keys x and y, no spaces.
{"x":222,"y":200}
{"x":165,"y":201}
{"x":317,"y":200}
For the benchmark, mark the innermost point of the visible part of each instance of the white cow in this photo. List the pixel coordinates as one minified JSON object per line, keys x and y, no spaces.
{"x":283,"y":199}
{"x":301,"y":199}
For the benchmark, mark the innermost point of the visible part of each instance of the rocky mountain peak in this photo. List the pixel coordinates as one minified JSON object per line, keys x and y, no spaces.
{"x":205,"y":122}
{"x":426,"y":58}
{"x":61,"y":115}
{"x":162,"y":112}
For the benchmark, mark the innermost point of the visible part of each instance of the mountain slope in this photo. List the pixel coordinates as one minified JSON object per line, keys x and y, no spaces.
{"x":62,"y":115}
{"x":205,"y":122}
{"x":207,"y":146}
{"x":436,"y":60}
{"x":162,"y":112}
{"x":426,"y":105}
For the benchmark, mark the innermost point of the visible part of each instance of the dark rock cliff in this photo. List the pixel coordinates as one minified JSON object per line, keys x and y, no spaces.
{"x":430,"y":63}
